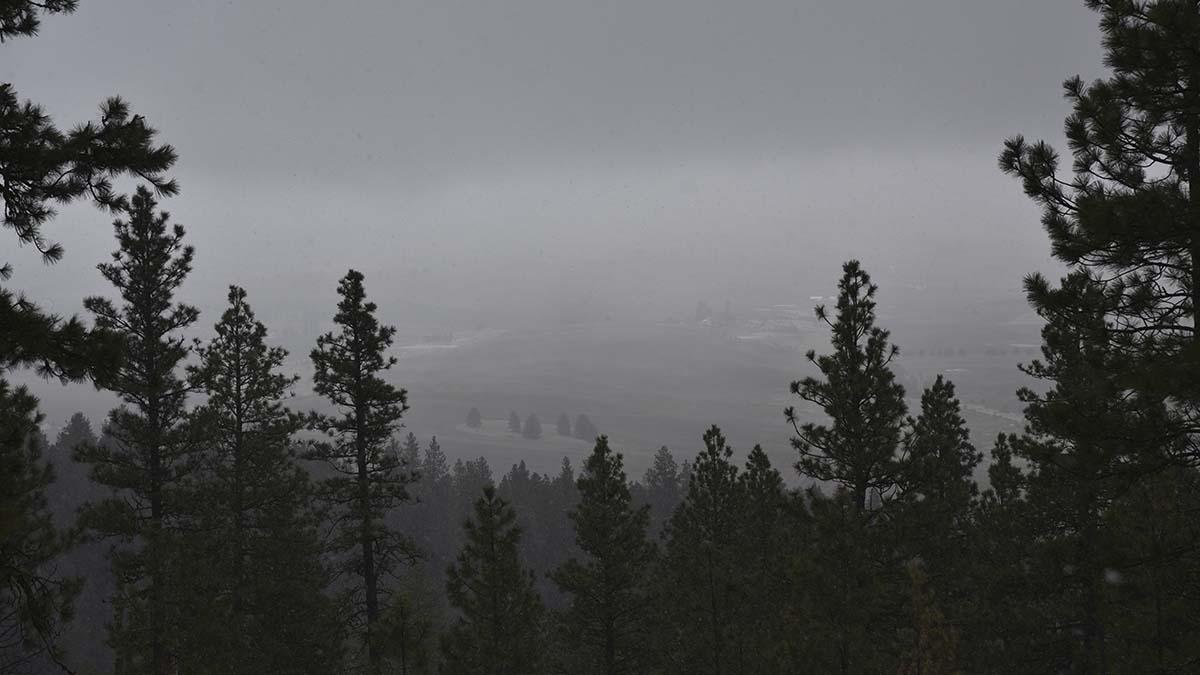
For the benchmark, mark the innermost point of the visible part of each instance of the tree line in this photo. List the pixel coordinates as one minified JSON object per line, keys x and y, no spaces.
{"x":242,"y":536}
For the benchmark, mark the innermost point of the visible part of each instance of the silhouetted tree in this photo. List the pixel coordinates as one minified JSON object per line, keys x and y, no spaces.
{"x":474,"y":419}
{"x":1088,"y":440}
{"x":938,"y":489}
{"x":563,"y":425}
{"x":1129,"y":216}
{"x":514,"y":422}
{"x":35,"y":603}
{"x":772,"y":528}
{"x":499,"y":627}
{"x":663,"y":488}
{"x":701,"y":563}
{"x":606,"y":619}
{"x":370,"y":482}
{"x":150,"y":456}
{"x":42,"y":167}
{"x":254,"y":518}
{"x":859,"y":393}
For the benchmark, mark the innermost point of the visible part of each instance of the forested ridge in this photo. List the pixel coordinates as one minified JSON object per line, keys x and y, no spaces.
{"x":208,"y":526}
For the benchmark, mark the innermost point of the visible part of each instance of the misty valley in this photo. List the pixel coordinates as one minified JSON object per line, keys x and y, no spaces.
{"x":522,"y":350}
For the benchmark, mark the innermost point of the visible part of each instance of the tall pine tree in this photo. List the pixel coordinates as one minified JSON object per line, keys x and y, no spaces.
{"x":42,"y":167}
{"x":1130,"y":214}
{"x":254,"y":518}
{"x":368,"y":482}
{"x":607,"y":587}
{"x":150,"y":455}
{"x":858,"y":392}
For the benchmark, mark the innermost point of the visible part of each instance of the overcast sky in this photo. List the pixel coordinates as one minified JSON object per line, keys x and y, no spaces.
{"x":469,"y":155}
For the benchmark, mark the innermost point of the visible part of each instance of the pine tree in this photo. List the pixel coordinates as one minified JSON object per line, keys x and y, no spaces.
{"x":858,"y":392}
{"x":770,"y":532}
{"x":584,"y":429}
{"x":1088,"y":440}
{"x":664,"y":488}
{"x":932,"y":517}
{"x":41,"y":167}
{"x":514,"y":422}
{"x":369,"y":482}
{"x":563,"y":425}
{"x":474,"y":419}
{"x":606,"y":619}
{"x":532,"y":428}
{"x":409,"y":452}
{"x":88,"y":560}
{"x":72,"y":486}
{"x":44,"y":167}
{"x":934,"y":650}
{"x":36,"y":602}
{"x":255,"y":518}
{"x":1129,"y":217}
{"x":702,"y":564}
{"x":411,"y":624}
{"x":150,"y":456}
{"x":498,"y":631}
{"x":937,"y":488}
{"x":850,"y":607}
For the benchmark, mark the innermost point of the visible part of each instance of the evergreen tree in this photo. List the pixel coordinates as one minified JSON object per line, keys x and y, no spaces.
{"x":150,"y":456}
{"x":703,"y":566}
{"x":434,"y":468}
{"x":72,"y":486}
{"x":254,"y":518}
{"x":934,"y":650}
{"x":411,"y":626}
{"x":937,"y":492}
{"x":532,"y":428}
{"x":87,"y":560}
{"x":770,"y":532}
{"x":409,"y":452}
{"x":1088,"y":440}
{"x":1130,"y":215}
{"x":563,"y":426}
{"x":514,"y":422}
{"x":664,"y":488}
{"x":499,"y":626}
{"x":474,"y":419}
{"x":40,"y":167}
{"x":584,"y":429}
{"x":858,"y":392}
{"x":369,"y":482}
{"x":606,"y":619}
{"x":851,"y":605}
{"x":35,"y":603}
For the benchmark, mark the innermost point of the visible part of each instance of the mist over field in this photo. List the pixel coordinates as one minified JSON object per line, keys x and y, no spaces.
{"x":546,"y":337}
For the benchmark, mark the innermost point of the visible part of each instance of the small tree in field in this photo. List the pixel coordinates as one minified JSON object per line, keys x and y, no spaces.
{"x":474,"y":419}
{"x":533,"y":427}
{"x":584,"y":429}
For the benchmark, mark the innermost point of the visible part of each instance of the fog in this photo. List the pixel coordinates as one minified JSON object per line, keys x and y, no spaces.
{"x":526,"y":164}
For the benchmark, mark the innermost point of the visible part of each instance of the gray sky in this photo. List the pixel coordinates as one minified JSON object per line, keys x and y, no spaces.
{"x":475,"y":155}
